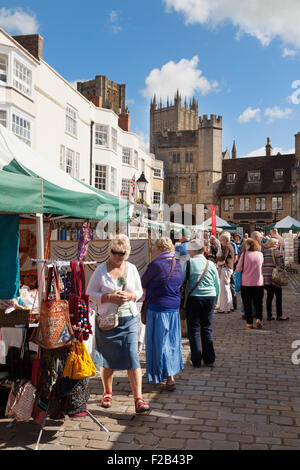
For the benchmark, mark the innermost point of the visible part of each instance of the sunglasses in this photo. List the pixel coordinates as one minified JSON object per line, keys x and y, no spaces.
{"x":118,"y":253}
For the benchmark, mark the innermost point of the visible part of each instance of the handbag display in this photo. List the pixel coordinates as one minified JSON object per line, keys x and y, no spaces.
{"x":54,"y":329}
{"x":183,"y":308}
{"x":279,"y":275}
{"x":79,"y":364}
{"x":147,"y":301}
{"x":79,"y":302}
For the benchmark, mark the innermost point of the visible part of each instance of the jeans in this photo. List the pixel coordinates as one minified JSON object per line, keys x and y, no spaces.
{"x":271,"y":291}
{"x":199,"y":316}
{"x":233,"y":293}
{"x":252,"y":294}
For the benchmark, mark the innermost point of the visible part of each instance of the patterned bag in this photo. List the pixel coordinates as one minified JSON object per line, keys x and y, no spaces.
{"x":20,"y":403}
{"x":279,"y":275}
{"x":54,"y":329}
{"x":108,"y":321}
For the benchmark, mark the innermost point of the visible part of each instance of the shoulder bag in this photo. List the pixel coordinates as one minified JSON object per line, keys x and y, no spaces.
{"x":279,"y":275}
{"x":146,"y":302}
{"x":183,"y":307}
{"x":238,"y":277}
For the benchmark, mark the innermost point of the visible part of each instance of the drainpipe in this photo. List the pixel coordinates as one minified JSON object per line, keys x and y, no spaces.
{"x":91,"y":153}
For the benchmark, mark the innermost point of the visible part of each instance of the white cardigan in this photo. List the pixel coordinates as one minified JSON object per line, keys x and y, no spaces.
{"x":102,"y":283}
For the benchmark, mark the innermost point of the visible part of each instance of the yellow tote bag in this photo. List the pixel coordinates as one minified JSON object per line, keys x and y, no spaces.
{"x":79,"y":364}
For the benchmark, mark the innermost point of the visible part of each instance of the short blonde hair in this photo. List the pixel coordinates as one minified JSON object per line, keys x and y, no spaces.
{"x":271,"y":242}
{"x":121,"y":243}
{"x":164,"y":244}
{"x":225,"y":235}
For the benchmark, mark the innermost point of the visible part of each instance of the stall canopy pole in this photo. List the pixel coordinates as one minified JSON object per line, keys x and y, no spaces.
{"x":40,"y":253}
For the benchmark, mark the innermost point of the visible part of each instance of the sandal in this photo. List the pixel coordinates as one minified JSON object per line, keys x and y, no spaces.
{"x":106,"y":401}
{"x":171,"y":386}
{"x":141,"y":406}
{"x":250,"y":326}
{"x":282,"y":318}
{"x":258,"y":324}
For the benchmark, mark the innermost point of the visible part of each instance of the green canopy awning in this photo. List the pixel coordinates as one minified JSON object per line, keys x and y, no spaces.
{"x":30,"y":184}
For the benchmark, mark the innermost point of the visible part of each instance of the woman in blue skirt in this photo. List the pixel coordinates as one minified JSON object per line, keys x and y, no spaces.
{"x":115,"y":287}
{"x":162,"y":281}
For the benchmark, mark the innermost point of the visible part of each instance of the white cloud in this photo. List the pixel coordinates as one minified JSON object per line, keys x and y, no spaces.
{"x":114,"y":22}
{"x":265,"y":20}
{"x":74,"y":82}
{"x":183,"y":75}
{"x":143,"y":140}
{"x":261,"y":152}
{"x":288,"y":52}
{"x":17,"y":21}
{"x":295,"y":97}
{"x":277,"y":113}
{"x":249,"y":114}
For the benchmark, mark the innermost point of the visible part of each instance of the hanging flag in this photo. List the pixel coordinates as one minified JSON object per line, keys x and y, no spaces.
{"x":213,"y":220}
{"x":132,"y":189}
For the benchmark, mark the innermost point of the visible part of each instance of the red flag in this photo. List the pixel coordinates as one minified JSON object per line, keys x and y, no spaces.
{"x":213,"y":220}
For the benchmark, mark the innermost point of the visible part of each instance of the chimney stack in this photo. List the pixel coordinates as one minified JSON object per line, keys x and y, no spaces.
{"x":297,"y":145}
{"x":33,"y":43}
{"x":269,"y":147}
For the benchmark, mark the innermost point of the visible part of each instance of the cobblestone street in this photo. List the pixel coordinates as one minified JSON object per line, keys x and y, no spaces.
{"x":249,"y":400}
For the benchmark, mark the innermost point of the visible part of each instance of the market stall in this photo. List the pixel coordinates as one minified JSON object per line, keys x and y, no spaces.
{"x":38,"y":191}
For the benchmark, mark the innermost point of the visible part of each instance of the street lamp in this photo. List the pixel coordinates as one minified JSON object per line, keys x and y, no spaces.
{"x":142,"y":186}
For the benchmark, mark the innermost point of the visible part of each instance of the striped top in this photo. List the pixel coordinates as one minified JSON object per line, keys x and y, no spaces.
{"x":269,"y":265}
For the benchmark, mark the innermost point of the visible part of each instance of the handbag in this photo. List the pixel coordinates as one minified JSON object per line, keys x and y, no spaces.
{"x":147,"y":301}
{"x":79,"y":302}
{"x":79,"y":364}
{"x":21,"y":401}
{"x":184,"y":290}
{"x":108,"y":321}
{"x":279,"y":275}
{"x":54,"y":329}
{"x":238,"y":277}
{"x":187,"y":294}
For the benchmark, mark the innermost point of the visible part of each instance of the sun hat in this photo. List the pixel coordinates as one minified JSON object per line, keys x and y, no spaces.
{"x":195,"y":245}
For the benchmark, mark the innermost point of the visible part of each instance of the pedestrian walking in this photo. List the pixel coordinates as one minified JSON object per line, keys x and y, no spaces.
{"x":203,"y":289}
{"x":225,"y":263}
{"x":273,"y":258}
{"x":162,"y":281}
{"x":115,"y":287}
{"x":252,"y":285}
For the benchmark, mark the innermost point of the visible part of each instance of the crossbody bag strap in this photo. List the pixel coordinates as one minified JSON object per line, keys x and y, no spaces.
{"x":201,"y":277}
{"x":274,"y":258}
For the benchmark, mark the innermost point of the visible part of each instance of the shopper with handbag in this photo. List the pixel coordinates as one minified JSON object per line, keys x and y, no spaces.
{"x":115,"y":287}
{"x":273,"y":258}
{"x":225,"y":262}
{"x":201,"y":297}
{"x":162,"y":281}
{"x":252,"y":288}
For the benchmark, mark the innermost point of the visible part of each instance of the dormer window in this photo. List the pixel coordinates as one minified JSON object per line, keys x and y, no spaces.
{"x":254,"y":176}
{"x":231,"y":177}
{"x":278,"y":175}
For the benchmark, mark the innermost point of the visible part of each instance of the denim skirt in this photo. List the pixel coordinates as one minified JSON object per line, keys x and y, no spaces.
{"x":117,"y":349}
{"x":163,"y":344}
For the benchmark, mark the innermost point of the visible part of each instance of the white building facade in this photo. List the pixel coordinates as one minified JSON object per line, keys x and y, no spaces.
{"x":69,"y":131}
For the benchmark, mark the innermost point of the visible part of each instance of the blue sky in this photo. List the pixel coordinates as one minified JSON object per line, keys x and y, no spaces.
{"x":240,"y":61}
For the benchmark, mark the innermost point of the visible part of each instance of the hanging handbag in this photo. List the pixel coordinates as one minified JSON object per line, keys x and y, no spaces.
{"x":183,"y":308}
{"x":79,"y":302}
{"x":21,"y":401}
{"x":147,"y":301}
{"x":79,"y":364}
{"x":54,"y":329}
{"x":238,"y":277}
{"x":279,"y":275}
